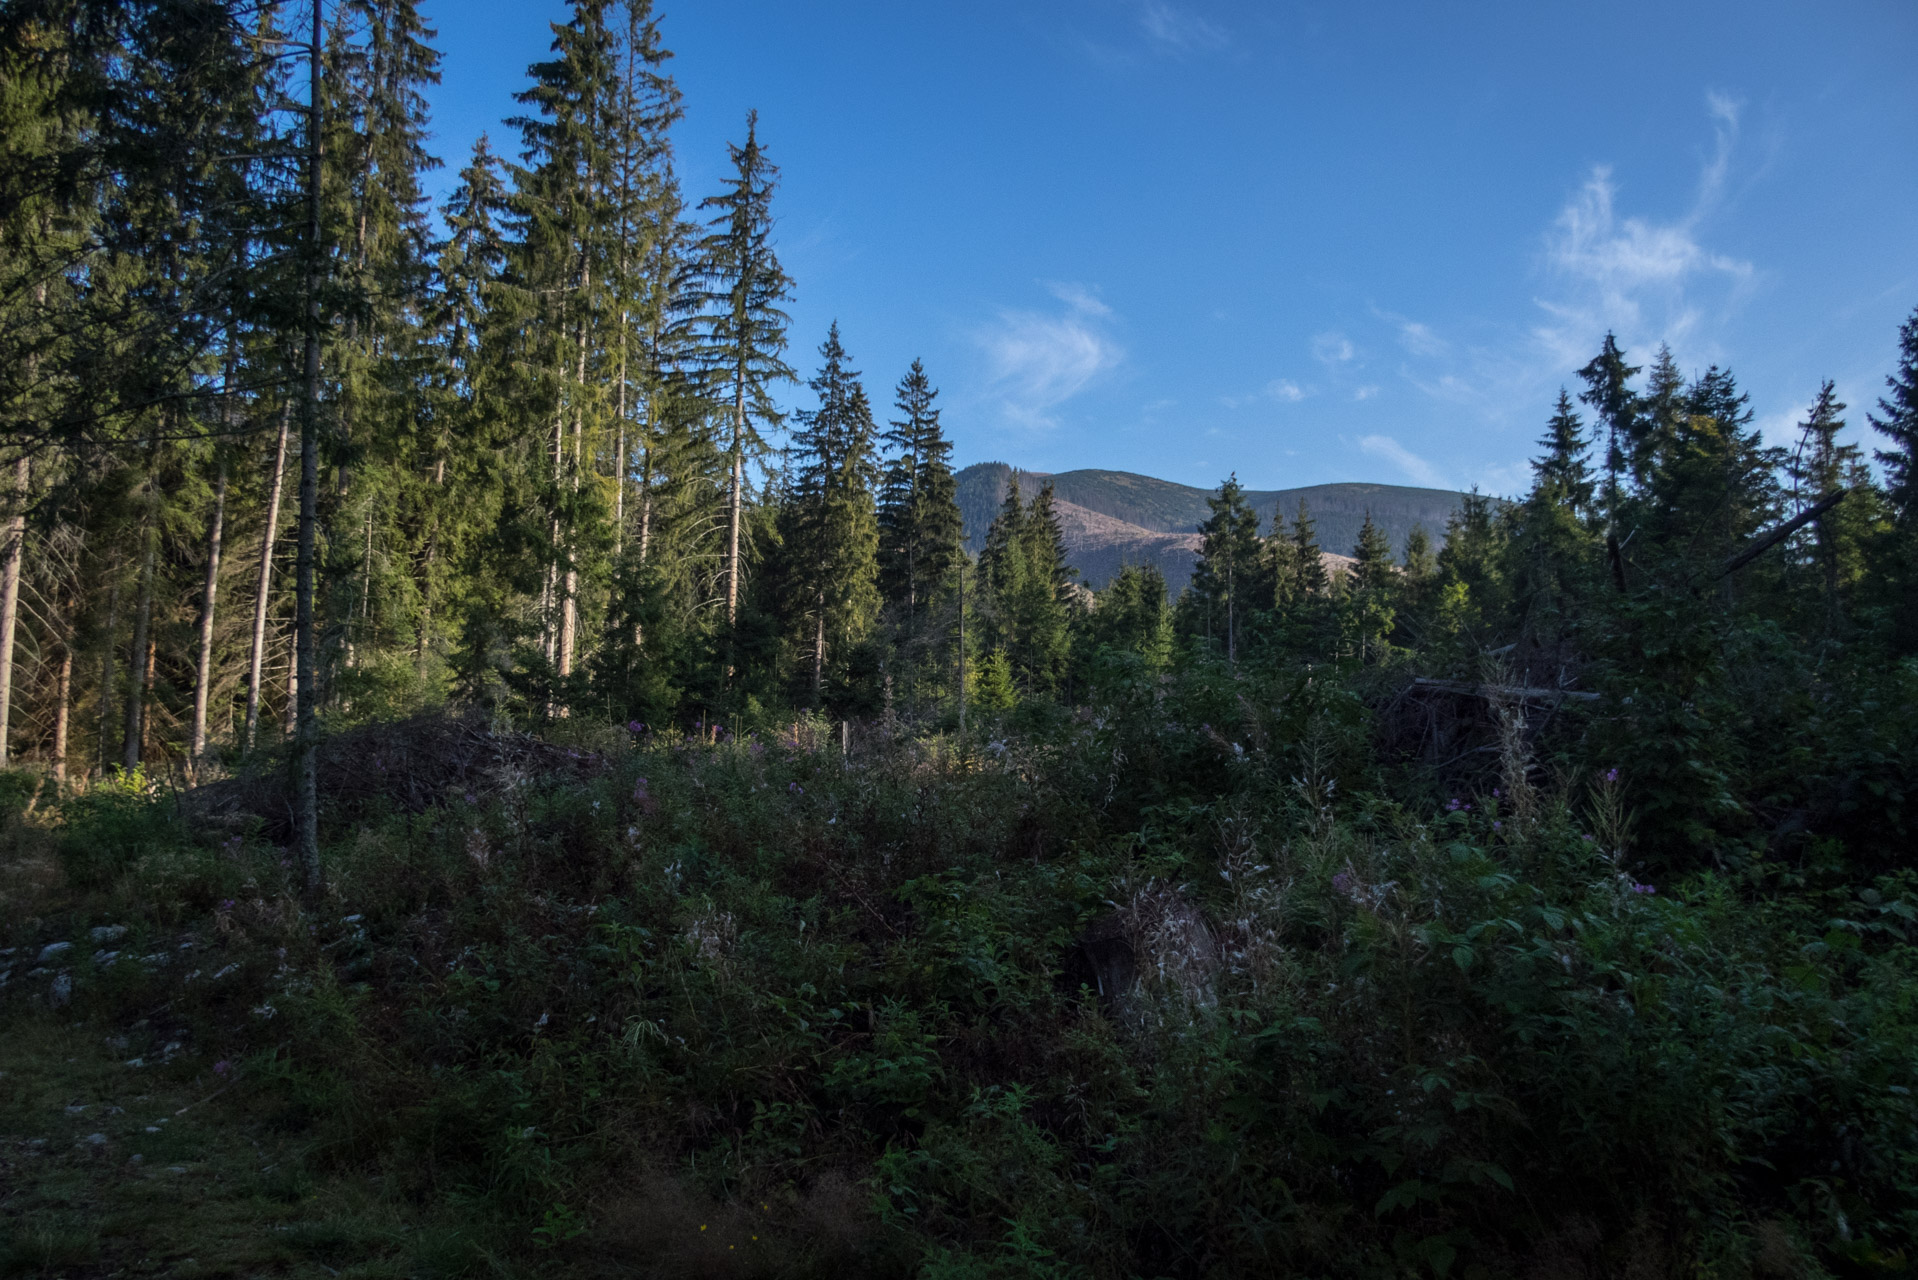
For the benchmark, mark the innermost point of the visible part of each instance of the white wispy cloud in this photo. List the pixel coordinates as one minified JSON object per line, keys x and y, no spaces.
{"x":1414,"y":467}
{"x":1177,"y":30}
{"x":1332,"y":348}
{"x":1420,"y":340}
{"x":1602,"y":265}
{"x":1037,"y":362}
{"x":1078,"y":297}
{"x":1365,"y":392}
{"x":1282,"y":390}
{"x":1646,"y":280}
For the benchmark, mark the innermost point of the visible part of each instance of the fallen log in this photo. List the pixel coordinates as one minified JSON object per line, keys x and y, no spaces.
{"x":1514,"y":692}
{"x":1783,"y":531}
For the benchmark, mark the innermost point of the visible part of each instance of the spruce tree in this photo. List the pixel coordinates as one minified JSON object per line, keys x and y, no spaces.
{"x":742,"y":333}
{"x":1029,"y":590}
{"x":1897,"y":421}
{"x":1131,"y":616}
{"x":1836,"y":545}
{"x":919,"y":521}
{"x":1225,"y":582}
{"x":1608,"y":391}
{"x":830,"y":531}
{"x":1472,"y":583}
{"x":1298,"y":565}
{"x":1371,"y":589}
{"x":1562,"y":473}
{"x":1899,"y":425}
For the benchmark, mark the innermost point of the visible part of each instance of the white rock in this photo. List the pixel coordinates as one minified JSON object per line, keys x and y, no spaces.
{"x":96,"y":1139}
{"x":108,"y":933}
{"x":53,"y":949}
{"x":103,"y":959}
{"x":60,"y":994}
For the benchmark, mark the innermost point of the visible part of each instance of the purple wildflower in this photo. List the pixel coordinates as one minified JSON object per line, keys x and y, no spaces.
{"x":1642,"y":888}
{"x":1342,"y":882}
{"x":1451,"y":806}
{"x":226,"y":904}
{"x":1498,"y":826}
{"x":793,"y":788}
{"x":1611,"y":775}
{"x":223,"y":1068}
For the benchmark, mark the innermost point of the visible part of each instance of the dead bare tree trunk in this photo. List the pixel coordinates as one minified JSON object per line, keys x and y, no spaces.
{"x":203,"y":677}
{"x":258,"y":657}
{"x":16,"y":536}
{"x":135,"y":728}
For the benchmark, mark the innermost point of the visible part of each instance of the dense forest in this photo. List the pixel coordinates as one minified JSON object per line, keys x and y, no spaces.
{"x":559,"y":802}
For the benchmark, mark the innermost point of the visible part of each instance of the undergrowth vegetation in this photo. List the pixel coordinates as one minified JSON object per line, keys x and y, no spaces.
{"x":1187,"y":985}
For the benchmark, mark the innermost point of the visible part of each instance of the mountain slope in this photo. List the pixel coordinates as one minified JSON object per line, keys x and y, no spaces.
{"x":1113,"y":518}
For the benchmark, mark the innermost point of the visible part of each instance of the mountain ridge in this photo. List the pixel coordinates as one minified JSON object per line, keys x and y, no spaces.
{"x":1112,"y":518}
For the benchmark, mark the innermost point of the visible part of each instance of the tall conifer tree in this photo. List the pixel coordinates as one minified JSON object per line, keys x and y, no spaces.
{"x":742,"y":331}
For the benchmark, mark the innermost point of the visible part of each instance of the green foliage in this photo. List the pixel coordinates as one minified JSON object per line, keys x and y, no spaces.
{"x":108,"y":829}
{"x":1359,"y":1033}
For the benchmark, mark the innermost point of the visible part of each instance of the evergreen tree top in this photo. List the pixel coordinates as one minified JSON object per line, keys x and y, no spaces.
{"x":1900,"y":421}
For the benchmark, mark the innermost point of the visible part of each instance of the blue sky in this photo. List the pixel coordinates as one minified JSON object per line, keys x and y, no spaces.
{"x":1306,"y":242}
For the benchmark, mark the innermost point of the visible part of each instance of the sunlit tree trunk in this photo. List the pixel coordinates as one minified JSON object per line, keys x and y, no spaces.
{"x":16,"y":538}
{"x":257,"y":658}
{"x":203,"y":677}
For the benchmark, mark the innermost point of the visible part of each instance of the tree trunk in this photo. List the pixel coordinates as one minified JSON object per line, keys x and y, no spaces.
{"x":106,"y":670}
{"x":137,"y":684}
{"x":819,"y":648}
{"x":569,"y":608}
{"x":146,"y":689}
{"x":289,"y":714}
{"x":962,"y":648}
{"x":62,"y":709}
{"x":736,"y":507}
{"x":203,"y":678}
{"x":16,"y":536}
{"x":307,"y":818}
{"x":258,"y":657}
